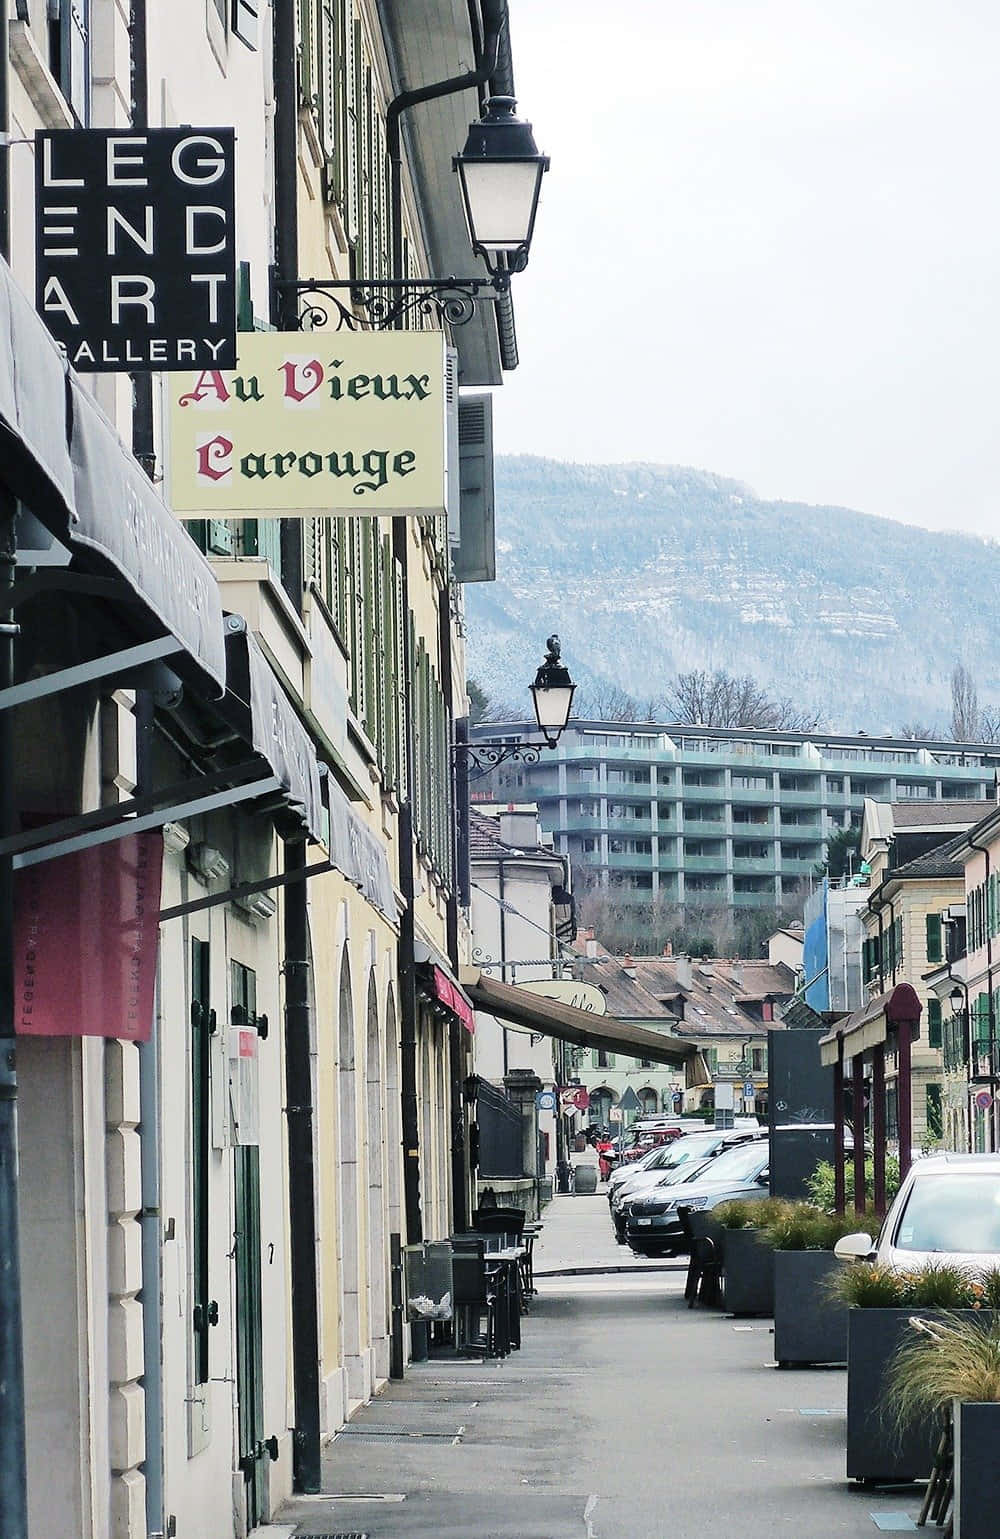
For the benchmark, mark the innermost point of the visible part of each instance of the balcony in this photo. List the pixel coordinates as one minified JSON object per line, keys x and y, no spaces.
{"x":753,"y":899}
{"x":705,"y":828}
{"x":626,"y":862}
{"x":579,"y":823}
{"x":754,"y":796}
{"x":800,"y":833}
{"x":801,"y":798}
{"x":715,"y":863}
{"x":754,"y":865}
{"x":698,"y":793}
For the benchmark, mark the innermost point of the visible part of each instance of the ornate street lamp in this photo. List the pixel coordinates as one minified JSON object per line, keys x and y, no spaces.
{"x":500,"y":171}
{"x":552,"y":693}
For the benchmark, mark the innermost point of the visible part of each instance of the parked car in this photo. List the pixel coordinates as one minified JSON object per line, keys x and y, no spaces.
{"x":696,"y":1147}
{"x":947,"y":1209}
{"x":654,"y":1226}
{"x":657,"y":1152}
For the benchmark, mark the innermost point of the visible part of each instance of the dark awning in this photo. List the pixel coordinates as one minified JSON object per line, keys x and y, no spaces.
{"x":870,"y":1025}
{"x":274,"y":728}
{"x":567,"y":1023}
{"x":63,"y":458}
{"x":358,"y":855}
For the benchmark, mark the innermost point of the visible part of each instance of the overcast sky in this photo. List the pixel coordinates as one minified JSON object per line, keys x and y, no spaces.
{"x":767,"y":246}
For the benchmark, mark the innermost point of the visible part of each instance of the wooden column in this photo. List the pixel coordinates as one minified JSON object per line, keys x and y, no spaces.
{"x":858,"y":1083}
{"x":904,"y":1096}
{"x":839,"y":1174}
{"x":878,"y":1127}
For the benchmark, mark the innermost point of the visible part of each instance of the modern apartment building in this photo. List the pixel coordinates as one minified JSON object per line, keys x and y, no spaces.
{"x":715,"y":815}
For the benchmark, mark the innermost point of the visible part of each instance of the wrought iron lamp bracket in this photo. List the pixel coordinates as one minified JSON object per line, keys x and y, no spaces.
{"x":380,"y":304}
{"x":488,"y":753}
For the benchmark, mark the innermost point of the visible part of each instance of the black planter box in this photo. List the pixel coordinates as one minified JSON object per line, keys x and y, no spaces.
{"x":809,"y":1325}
{"x":748,"y":1263}
{"x":874,"y":1450}
{"x":977,"y":1468}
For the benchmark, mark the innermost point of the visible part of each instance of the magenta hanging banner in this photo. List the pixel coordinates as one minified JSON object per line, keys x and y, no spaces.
{"x":85,"y":941}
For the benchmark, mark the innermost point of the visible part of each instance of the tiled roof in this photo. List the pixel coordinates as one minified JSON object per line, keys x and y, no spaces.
{"x":485,"y":842}
{"x":939,"y":862}
{"x":636,"y":988}
{"x":962,"y":813}
{"x":799,"y":1016}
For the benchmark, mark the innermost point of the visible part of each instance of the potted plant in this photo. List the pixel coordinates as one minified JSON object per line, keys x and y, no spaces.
{"x":747,"y":1255}
{"x":950,"y":1365}
{"x":810,"y":1323}
{"x":880,"y":1304}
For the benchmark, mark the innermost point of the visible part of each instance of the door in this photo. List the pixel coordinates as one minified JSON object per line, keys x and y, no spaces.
{"x":254,"y":1450}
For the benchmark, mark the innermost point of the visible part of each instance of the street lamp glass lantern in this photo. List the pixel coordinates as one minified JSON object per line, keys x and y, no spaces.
{"x":956,"y":999}
{"x":500,"y":171}
{"x":552,"y":693}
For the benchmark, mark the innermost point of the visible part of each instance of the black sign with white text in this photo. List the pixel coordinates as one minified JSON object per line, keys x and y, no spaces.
{"x":135,"y":246}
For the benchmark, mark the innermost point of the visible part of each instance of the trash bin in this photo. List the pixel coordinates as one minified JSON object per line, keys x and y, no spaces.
{"x":429,"y":1287}
{"x":585,"y":1179}
{"x":564,"y":1176}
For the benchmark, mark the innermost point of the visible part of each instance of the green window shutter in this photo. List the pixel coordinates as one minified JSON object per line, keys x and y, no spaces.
{"x":933,"y":1022}
{"x":308,"y":72}
{"x":934,"y":952}
{"x":981,"y":1027}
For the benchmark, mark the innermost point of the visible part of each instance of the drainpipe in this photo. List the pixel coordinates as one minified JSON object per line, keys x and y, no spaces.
{"x":286,"y":239}
{"x":989,"y":985}
{"x":150,"y":1218}
{"x":501,"y":885}
{"x":301,"y":1175}
{"x":13,"y":1462}
{"x":401,"y":103}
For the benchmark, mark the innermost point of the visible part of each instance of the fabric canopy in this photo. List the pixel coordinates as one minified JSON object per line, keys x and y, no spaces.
{"x":449,"y":993}
{"x":275,"y":731}
{"x":568,"y":1024}
{"x":62,"y":457}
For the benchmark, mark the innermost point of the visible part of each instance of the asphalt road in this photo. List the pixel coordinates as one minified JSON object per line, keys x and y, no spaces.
{"x":624,"y":1416}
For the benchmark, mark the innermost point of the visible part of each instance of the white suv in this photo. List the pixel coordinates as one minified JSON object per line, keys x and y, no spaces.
{"x":947,"y":1209}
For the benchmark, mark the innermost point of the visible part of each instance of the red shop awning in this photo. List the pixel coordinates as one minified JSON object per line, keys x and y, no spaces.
{"x":450,"y":995}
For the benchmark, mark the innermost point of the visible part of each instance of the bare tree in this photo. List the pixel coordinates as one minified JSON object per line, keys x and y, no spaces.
{"x":989,"y":725}
{"x":608,"y":702}
{"x":723,"y":699}
{"x":965,"y":718}
{"x":919,"y":732}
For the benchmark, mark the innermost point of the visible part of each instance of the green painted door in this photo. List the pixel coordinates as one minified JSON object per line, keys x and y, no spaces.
{"x":254,"y":1450}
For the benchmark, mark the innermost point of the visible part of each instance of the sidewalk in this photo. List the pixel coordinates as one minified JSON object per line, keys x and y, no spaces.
{"x":578,"y":1238}
{"x":624,"y":1416}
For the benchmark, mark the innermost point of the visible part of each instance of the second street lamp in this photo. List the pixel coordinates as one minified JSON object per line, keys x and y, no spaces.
{"x":552,"y":692}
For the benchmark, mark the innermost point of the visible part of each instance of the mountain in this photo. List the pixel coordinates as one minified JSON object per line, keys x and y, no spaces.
{"x":648,"y":570}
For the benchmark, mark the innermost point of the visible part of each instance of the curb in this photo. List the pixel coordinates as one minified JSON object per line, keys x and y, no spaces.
{"x":600,"y":1271}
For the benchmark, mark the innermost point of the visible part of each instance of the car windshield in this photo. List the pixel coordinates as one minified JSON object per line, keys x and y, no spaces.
{"x":738,"y":1164}
{"x":692,"y":1147}
{"x":955,"y":1212}
{"x":683,"y":1172}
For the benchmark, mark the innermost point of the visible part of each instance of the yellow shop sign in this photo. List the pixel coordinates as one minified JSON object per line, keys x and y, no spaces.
{"x":306,"y":423}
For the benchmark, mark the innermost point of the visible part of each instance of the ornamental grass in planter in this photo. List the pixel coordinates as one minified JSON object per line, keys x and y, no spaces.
{"x":950,"y":1367}
{"x":747,"y":1255}
{"x":810,"y":1324}
{"x":880,"y":1304}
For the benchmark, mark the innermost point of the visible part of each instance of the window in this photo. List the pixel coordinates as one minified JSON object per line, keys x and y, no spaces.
{"x":751,"y":782}
{"x":243,"y":1005}
{"x":835,"y":785}
{"x":69,"y":48}
{"x":915,"y":791}
{"x":758,"y":1058}
{"x":603,"y":1059}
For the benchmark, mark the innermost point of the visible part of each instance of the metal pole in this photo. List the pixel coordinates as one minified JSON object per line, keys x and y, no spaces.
{"x":13,"y":1462}
{"x":904,"y":1037}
